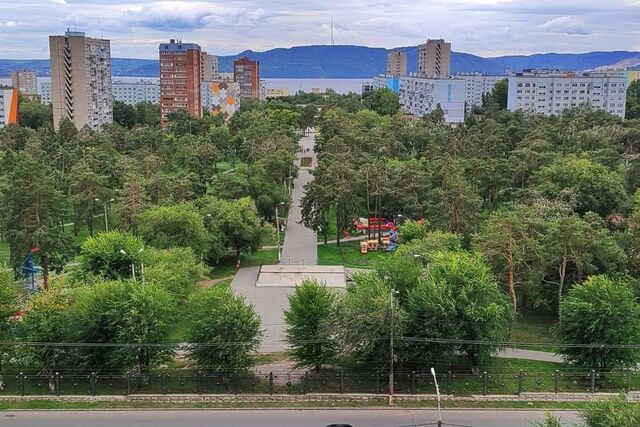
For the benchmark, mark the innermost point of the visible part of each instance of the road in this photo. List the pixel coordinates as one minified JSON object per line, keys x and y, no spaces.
{"x":276,"y":418}
{"x":300,"y":242}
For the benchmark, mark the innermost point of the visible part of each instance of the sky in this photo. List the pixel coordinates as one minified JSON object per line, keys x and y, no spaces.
{"x":223,"y":27}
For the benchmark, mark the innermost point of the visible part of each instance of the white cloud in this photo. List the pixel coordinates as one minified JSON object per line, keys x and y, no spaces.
{"x":570,"y":25}
{"x":59,"y":1}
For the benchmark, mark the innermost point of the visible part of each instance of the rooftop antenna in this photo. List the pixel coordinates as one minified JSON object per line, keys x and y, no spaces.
{"x":332,"y":31}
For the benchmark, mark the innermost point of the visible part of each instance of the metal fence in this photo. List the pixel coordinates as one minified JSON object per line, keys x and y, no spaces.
{"x":198,"y":382}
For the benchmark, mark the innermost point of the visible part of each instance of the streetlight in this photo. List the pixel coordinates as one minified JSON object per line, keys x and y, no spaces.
{"x":133,"y":266}
{"x":435,"y":381}
{"x":278,"y":229}
{"x":106,"y":218}
{"x":392,"y":294}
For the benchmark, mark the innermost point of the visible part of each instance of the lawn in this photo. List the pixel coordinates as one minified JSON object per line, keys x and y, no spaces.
{"x":535,"y":328}
{"x":227,"y":265}
{"x":4,"y":253}
{"x":347,"y":254}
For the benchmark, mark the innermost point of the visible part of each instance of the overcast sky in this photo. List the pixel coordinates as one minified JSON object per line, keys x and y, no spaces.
{"x":482,"y":27}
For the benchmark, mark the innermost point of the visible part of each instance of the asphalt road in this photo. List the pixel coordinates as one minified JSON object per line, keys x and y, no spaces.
{"x":275,"y":418}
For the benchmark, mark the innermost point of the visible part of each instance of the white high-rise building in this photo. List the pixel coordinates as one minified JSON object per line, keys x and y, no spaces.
{"x":422,"y":95}
{"x":133,"y":93}
{"x":477,"y":85}
{"x":434,"y":59}
{"x":81,"y":80}
{"x":551,"y":92}
{"x":210,"y":67}
{"x":26,"y":81}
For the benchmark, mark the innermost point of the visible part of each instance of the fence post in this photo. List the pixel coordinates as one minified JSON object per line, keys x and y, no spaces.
{"x":128,"y":383}
{"x":163,"y":382}
{"x":92,"y":382}
{"x":593,"y":381}
{"x":556,"y":381}
{"x":21,"y":380}
{"x":485,"y":378}
{"x":413,"y":382}
{"x":449,"y":382}
{"x":57,"y":382}
{"x":520,"y":381}
{"x":377,"y":382}
{"x":199,"y":382}
{"x":341,"y":382}
{"x":270,"y":382}
{"x":305,"y":386}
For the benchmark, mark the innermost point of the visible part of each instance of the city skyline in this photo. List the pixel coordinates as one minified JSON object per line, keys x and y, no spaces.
{"x":482,"y":27}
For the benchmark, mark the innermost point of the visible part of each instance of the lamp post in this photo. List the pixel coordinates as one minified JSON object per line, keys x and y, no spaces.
{"x":133,"y":265}
{"x":278,"y":229}
{"x":435,"y":381}
{"x":106,"y":218}
{"x":392,"y":294}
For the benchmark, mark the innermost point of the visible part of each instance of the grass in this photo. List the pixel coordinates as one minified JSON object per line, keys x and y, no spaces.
{"x":227,"y":265}
{"x":347,"y":254}
{"x":268,"y":358}
{"x":4,"y":253}
{"x":535,"y":328}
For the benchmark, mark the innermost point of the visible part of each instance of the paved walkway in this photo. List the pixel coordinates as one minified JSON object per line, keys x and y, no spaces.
{"x":540,"y":356}
{"x":300,"y":242}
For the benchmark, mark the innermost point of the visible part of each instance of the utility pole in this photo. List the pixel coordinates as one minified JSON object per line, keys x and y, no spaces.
{"x":278,"y":229}
{"x":435,"y":381}
{"x":391,"y":346}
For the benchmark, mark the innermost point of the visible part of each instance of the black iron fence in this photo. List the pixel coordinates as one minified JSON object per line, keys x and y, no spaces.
{"x":198,"y":382}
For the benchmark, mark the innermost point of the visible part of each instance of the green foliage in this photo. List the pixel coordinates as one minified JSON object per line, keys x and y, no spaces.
{"x":433,"y":241}
{"x":458,"y":299}
{"x":412,"y":230}
{"x":550,"y":421}
{"x":8,"y":301}
{"x":46,"y":321}
{"x":35,"y":115}
{"x":123,"y":312}
{"x":174,"y":226}
{"x":124,"y":114}
{"x":399,"y":272}
{"x":600,"y":311}
{"x":633,"y":101}
{"x":615,"y":412}
{"x":383,"y":101}
{"x":498,"y":97}
{"x":308,"y":320}
{"x":591,"y":185}
{"x":363,"y":320}
{"x":176,"y":270}
{"x":103,"y":255}
{"x":225,"y":328}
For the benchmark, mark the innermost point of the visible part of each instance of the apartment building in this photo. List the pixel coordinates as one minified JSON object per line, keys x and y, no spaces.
{"x":8,"y":107}
{"x":81,"y":80}
{"x":386,"y":82}
{"x":551,"y":92}
{"x":247,"y":74}
{"x":397,"y":63}
{"x":210,"y":67}
{"x":422,"y":95}
{"x":26,"y":81}
{"x":434,"y":59}
{"x":220,"y":97}
{"x":180,"y":78}
{"x":278,"y":92}
{"x":44,"y":91}
{"x":133,"y":93}
{"x":477,"y":85}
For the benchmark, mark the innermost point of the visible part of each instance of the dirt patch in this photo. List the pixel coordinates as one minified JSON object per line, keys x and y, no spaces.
{"x":306,"y":162}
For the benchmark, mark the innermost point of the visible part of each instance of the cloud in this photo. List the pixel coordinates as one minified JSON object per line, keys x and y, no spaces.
{"x":58,"y":1}
{"x":187,"y":16}
{"x":570,"y":25}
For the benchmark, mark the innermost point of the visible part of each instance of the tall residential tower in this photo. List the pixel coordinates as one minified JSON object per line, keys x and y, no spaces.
{"x":81,"y":80}
{"x":434,"y":59}
{"x":26,"y":81}
{"x":397,"y":63}
{"x":180,"y":78}
{"x":247,"y":74}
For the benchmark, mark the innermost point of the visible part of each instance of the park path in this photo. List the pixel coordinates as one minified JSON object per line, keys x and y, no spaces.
{"x":300,"y":242}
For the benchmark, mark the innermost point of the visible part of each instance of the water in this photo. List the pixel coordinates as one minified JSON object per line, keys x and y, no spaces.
{"x":342,"y":86}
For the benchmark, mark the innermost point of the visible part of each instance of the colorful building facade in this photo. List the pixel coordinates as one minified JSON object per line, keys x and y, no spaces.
{"x":8,"y":107}
{"x":221,"y":97}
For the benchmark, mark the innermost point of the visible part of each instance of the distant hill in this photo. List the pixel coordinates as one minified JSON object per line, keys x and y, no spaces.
{"x":345,"y":61}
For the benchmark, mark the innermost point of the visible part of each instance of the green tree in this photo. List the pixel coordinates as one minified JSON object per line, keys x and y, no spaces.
{"x":383,"y":101}
{"x":633,"y":101}
{"x":124,"y":114}
{"x":412,"y":230}
{"x":459,"y":299}
{"x":132,"y":202}
{"x":174,"y":226}
{"x":123,"y":313}
{"x":45,"y":321}
{"x":433,"y":241}
{"x":225,"y":328}
{"x":497,"y":98}
{"x":363,"y":320}
{"x":399,"y":272}
{"x":617,"y":412}
{"x":308,"y":319}
{"x":603,"y":314}
{"x":110,"y":255}
{"x":35,"y":115}
{"x":8,"y":309}
{"x":176,"y":270}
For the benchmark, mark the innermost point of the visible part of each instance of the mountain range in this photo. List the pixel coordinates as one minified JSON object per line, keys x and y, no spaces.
{"x":344,"y":61}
